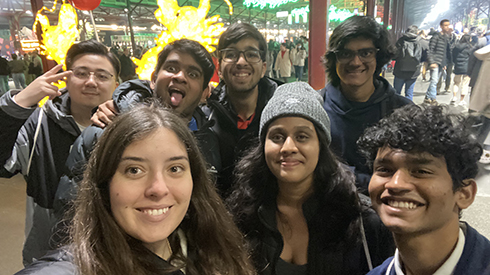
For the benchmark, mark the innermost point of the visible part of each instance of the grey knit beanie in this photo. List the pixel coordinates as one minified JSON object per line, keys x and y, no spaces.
{"x":296,"y":99}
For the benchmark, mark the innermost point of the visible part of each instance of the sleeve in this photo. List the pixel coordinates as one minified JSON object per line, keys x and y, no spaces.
{"x":432,"y":48}
{"x":18,"y":126}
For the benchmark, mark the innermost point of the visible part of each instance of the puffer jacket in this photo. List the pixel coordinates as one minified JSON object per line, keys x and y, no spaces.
{"x":231,"y":142}
{"x":461,"y":56}
{"x":402,"y":69}
{"x":438,"y":47}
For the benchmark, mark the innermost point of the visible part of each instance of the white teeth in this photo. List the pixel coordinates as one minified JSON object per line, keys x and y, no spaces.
{"x":155,"y":212}
{"x":241,"y":75}
{"x":401,"y":204}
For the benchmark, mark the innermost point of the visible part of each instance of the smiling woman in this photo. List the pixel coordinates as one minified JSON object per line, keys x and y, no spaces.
{"x":147,"y":206}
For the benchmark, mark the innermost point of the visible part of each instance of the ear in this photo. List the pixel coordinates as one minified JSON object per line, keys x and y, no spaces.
{"x":219,"y":70}
{"x":264,"y":68}
{"x":466,"y":194}
{"x":206,"y":93}
{"x":153,"y":80}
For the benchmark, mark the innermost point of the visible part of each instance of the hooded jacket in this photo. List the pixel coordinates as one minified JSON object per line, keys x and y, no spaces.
{"x":349,"y":119}
{"x":410,"y":53}
{"x":230,"y":141}
{"x":461,"y":56}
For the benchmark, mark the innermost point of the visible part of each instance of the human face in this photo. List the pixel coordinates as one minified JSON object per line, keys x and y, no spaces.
{"x":357,"y":73}
{"x":89,"y":93}
{"x":446,"y":27}
{"x":413,"y":193}
{"x":242,"y":76}
{"x":151,"y":189}
{"x":179,"y":83}
{"x":292,"y":150}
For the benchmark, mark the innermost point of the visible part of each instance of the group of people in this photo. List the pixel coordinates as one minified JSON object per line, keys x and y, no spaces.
{"x":265,"y":178}
{"x":22,"y":69}
{"x":289,"y":58}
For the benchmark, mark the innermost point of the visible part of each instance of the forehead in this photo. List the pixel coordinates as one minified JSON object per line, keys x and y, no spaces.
{"x":93,"y":62}
{"x":183,"y":59}
{"x":245,"y":44}
{"x":389,"y":154}
{"x":291,"y":122}
{"x":358,"y":43}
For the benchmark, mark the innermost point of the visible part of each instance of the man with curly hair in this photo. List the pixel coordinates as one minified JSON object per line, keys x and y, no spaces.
{"x":423,"y":177}
{"x":356,"y":96}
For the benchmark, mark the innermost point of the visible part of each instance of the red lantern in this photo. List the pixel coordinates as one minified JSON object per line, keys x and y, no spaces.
{"x":85,"y":5}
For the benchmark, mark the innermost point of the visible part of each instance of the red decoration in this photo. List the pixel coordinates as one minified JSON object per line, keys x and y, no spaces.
{"x":85,"y":5}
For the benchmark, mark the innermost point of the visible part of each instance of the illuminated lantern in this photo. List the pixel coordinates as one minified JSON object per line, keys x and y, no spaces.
{"x":181,"y":22}
{"x":86,"y":5}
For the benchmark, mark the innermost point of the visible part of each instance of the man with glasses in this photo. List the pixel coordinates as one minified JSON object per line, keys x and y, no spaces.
{"x":36,"y":141}
{"x":237,"y":103}
{"x":356,"y":96}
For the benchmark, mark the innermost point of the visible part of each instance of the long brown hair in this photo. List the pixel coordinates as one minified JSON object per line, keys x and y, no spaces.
{"x":100,"y":245}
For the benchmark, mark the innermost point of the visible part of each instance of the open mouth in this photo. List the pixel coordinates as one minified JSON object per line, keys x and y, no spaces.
{"x":242,"y":74}
{"x":410,"y":205}
{"x":176,"y":96}
{"x":154,"y":212}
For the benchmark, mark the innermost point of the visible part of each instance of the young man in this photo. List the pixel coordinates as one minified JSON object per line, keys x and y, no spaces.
{"x":183,"y":71}
{"x":36,"y":141}
{"x":424,"y":162}
{"x":439,"y":51}
{"x":357,"y":96}
{"x":237,"y":103}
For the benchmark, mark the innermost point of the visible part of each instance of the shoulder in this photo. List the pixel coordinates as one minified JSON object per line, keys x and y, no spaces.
{"x":381,"y":269}
{"x":56,"y":262}
{"x":131,"y":92}
{"x":474,"y":259}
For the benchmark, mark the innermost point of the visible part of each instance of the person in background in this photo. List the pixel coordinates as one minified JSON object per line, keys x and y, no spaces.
{"x":4,"y":75}
{"x":408,"y":59}
{"x":298,"y":55}
{"x":148,"y":206}
{"x":283,"y":63}
{"x":27,"y":61}
{"x":127,"y":65}
{"x":461,"y":55}
{"x":448,"y":69}
{"x":356,"y":96}
{"x":425,"y":45}
{"x":422,"y":180}
{"x":296,"y":203}
{"x":36,"y":141}
{"x":37,"y":68}
{"x":17,"y":68}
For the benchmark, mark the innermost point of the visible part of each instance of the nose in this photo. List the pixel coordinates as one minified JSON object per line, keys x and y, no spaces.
{"x":399,"y":182}
{"x":356,"y":60}
{"x":180,"y":76}
{"x":241,"y":59}
{"x":289,"y":146}
{"x":91,"y":80}
{"x":157,"y":187}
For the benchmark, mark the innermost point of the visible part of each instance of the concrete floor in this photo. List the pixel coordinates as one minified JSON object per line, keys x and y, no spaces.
{"x":12,"y":202}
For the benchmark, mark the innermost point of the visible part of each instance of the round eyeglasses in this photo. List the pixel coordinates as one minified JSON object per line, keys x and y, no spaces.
{"x":232,"y":55}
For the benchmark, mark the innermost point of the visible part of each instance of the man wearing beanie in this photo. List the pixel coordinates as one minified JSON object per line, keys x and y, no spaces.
{"x":356,"y":96}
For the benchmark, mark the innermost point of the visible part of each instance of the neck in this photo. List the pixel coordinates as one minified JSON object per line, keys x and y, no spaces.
{"x":244,"y":103}
{"x":162,"y":248}
{"x":425,"y":253}
{"x":81,"y":115}
{"x":358,"y":93}
{"x":294,"y":194}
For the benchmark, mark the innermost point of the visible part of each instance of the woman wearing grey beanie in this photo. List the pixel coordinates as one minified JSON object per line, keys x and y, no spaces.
{"x":296,"y":204}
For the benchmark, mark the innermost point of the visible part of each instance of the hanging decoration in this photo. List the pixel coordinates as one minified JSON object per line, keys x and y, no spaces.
{"x":263,"y":3}
{"x":338,"y":15}
{"x":301,"y":12}
{"x":85,"y":5}
{"x":57,"y":39}
{"x":181,"y":22}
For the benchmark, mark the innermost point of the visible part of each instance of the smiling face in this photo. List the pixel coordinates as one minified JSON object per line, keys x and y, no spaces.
{"x":292,"y":149}
{"x":179,"y":83}
{"x":242,"y":76}
{"x":90,"y":93}
{"x":356,"y":73}
{"x":413,"y":193}
{"x":151,"y":189}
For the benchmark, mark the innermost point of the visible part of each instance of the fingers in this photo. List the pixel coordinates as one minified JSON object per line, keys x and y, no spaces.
{"x":105,"y":114}
{"x":54,"y":70}
{"x":55,"y":77}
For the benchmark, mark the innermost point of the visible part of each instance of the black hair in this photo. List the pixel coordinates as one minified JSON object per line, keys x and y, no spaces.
{"x":14,"y":56}
{"x":465,"y":39}
{"x":358,"y":27}
{"x":430,"y":129}
{"x":194,"y":49}
{"x":443,"y":21}
{"x":91,"y":47}
{"x":239,"y":31}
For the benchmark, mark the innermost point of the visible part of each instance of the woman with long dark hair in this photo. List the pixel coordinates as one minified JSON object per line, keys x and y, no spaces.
{"x":298,"y":205}
{"x":147,"y":205}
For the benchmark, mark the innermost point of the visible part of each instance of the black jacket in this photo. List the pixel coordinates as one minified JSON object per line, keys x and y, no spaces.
{"x":438,"y":47}
{"x":323,"y":258}
{"x":461,"y":55}
{"x":60,"y":262}
{"x":231,"y":142}
{"x":348,"y":120}
{"x":410,"y":52}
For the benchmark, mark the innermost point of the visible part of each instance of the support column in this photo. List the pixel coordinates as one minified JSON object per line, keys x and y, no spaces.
{"x":317,"y":42}
{"x":130,"y":23}
{"x":371,"y":7}
{"x":386,"y":14}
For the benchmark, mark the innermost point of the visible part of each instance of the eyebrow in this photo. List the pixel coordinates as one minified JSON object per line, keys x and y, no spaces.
{"x":246,"y":48}
{"x":138,"y":159}
{"x":87,"y":68}
{"x":175,"y":62}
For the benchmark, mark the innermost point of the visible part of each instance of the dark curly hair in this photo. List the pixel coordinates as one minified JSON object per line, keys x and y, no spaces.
{"x":430,"y":129}
{"x":358,"y":27}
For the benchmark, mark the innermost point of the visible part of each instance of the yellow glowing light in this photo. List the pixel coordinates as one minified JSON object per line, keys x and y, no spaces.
{"x":57,"y":39}
{"x":181,"y":22}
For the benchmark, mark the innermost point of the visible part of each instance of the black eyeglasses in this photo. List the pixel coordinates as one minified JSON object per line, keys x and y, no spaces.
{"x":365,"y":55}
{"x":232,"y":55}
{"x":84,"y":74}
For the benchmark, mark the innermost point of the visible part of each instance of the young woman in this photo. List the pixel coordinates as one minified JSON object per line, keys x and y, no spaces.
{"x":147,"y":206}
{"x":296,"y":203}
{"x":461,"y":55}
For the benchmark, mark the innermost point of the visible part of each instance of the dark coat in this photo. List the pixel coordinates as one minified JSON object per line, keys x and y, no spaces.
{"x":474,"y":259}
{"x":461,"y":56}
{"x":438,"y":46}
{"x":323,"y":258}
{"x":348,"y":120}
{"x":409,"y":45}
{"x":232,"y":142}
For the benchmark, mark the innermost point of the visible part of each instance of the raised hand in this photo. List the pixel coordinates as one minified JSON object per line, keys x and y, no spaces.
{"x":105,"y":114}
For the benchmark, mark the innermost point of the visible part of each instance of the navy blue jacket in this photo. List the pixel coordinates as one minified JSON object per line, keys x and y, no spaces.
{"x":349,"y":119}
{"x":474,"y":259}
